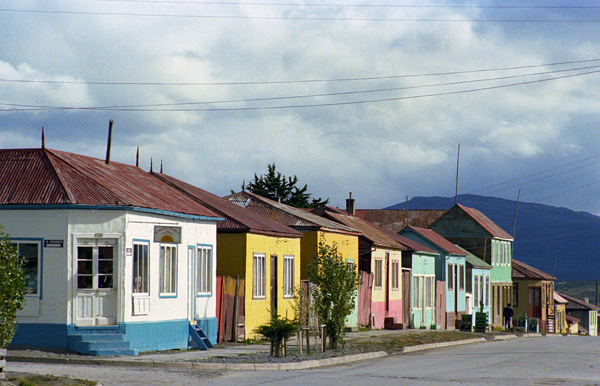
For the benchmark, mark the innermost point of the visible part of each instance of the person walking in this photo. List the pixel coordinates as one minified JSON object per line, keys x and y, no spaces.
{"x":508,"y":314}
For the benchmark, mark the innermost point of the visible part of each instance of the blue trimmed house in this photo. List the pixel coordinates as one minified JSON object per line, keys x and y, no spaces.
{"x":118,"y":261}
{"x":450,"y":268}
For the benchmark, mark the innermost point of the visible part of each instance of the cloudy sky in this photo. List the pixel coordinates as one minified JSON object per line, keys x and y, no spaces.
{"x":368,"y":97}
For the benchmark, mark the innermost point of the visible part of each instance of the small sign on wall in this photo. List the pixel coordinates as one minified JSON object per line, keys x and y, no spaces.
{"x":53,"y":243}
{"x":164,"y":234}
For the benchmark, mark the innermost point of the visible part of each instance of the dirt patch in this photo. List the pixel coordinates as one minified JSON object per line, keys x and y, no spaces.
{"x":23,"y":379}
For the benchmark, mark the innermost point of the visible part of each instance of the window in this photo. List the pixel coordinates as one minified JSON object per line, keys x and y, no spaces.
{"x":168,"y":269}
{"x":140,"y":268}
{"x":377,"y":279}
{"x":31,"y":252}
{"x":288,"y":276}
{"x":204,"y":270}
{"x":487,"y":291}
{"x":259,"y":282}
{"x":515,"y":295}
{"x":416,"y":292}
{"x":461,"y":279}
{"x":450,"y":277}
{"x":395,"y":275}
{"x":476,"y":292}
{"x":429,"y":291}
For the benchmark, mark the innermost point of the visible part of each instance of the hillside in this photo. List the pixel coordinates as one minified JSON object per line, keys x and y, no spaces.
{"x":543,"y":234}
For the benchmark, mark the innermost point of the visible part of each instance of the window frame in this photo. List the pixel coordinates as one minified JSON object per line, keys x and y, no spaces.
{"x":136,"y":244}
{"x":259,"y":279}
{"x":40,"y":250}
{"x":204,"y":269}
{"x":395,"y":275}
{"x":288,"y":276}
{"x":171,"y":279}
{"x":378,"y":273}
{"x":450,"y":277}
{"x":461,"y":277}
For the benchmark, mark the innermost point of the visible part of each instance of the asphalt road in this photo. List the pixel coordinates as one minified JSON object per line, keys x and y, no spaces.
{"x":551,"y":360}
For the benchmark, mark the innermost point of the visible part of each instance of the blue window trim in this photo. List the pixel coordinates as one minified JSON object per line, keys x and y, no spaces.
{"x":144,"y":241}
{"x":40,"y":262}
{"x":169,"y":295}
{"x":212,"y":278}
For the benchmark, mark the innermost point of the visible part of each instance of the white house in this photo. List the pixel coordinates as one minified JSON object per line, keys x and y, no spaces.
{"x":118,"y":262}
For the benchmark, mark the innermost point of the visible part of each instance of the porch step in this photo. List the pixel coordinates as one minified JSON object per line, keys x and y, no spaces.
{"x":100,"y":341}
{"x":198,"y":339}
{"x":390,"y":323}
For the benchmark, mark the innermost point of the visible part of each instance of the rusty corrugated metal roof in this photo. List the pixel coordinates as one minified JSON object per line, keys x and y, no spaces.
{"x":576,"y":304}
{"x":377,"y":236}
{"x":438,"y":240}
{"x":237,"y":219}
{"x":485,"y":222}
{"x":293,"y":217}
{"x":394,"y":220}
{"x":521,"y":270}
{"x":52,"y":177}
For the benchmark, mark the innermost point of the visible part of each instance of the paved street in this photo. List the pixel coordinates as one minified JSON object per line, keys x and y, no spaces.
{"x":553,"y":360}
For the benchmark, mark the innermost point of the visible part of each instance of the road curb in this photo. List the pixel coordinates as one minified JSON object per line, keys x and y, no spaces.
{"x":302,"y":365}
{"x":430,"y":346}
{"x":203,"y":365}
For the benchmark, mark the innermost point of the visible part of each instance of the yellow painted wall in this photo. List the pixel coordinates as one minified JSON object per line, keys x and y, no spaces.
{"x":231,"y":252}
{"x":258,"y":310}
{"x":378,"y":294}
{"x":347,"y":246}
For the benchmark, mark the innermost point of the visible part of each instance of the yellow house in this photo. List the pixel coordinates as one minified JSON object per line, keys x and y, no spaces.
{"x":312,"y":226}
{"x":264,"y":253}
{"x":560,"y":315}
{"x":533,"y":295}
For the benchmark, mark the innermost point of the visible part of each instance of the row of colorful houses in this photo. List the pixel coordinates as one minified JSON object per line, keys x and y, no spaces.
{"x":120,"y":260}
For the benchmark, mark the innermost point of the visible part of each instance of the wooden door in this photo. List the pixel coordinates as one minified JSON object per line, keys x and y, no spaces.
{"x":535,"y":302}
{"x":273,"y":285}
{"x":95,"y":300}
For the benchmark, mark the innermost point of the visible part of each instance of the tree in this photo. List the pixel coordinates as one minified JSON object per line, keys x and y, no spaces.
{"x":12,"y":288}
{"x":275,"y":185}
{"x":334,"y":293}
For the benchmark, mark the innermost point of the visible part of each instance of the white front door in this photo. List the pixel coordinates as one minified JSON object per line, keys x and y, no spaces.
{"x":95,"y":302}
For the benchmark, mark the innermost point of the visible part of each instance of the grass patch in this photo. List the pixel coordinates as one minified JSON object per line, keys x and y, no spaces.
{"x":394,"y":343}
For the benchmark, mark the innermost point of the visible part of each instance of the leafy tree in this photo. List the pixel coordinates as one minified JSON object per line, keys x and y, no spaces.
{"x":334,"y":292}
{"x":277,"y":331}
{"x":275,"y":185}
{"x":12,"y":288}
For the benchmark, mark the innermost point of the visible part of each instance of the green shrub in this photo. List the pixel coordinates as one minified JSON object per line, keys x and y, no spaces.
{"x":277,"y":331}
{"x":12,"y":288}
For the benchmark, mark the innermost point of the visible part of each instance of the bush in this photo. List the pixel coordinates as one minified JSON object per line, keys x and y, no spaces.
{"x":277,"y":331}
{"x":12,"y":288}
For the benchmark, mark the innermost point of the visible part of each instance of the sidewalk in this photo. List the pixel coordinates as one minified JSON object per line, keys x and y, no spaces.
{"x":221,"y":357}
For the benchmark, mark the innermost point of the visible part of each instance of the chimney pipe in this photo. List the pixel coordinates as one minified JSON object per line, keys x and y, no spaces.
{"x":110,"y":125}
{"x":350,"y":205}
{"x":137,"y":158}
{"x":43,"y":139}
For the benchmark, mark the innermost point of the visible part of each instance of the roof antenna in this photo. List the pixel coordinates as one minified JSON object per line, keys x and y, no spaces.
{"x":406,"y":208}
{"x":137,"y":158}
{"x":161,"y":166}
{"x":110,"y":125}
{"x":43,"y":139}
{"x":456,"y":189}
{"x":150,"y":164}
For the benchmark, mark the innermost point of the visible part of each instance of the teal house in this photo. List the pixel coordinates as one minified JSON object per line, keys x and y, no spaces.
{"x":418,"y":266}
{"x":476,"y":233}
{"x":477,"y":286}
{"x":450,"y":268}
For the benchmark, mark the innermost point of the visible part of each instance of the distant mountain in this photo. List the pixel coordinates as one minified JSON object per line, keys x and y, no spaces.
{"x":543,"y":234}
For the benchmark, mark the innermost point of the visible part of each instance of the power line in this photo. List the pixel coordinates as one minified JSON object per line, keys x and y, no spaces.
{"x":307,"y":18}
{"x":347,"y":5}
{"x":275,"y":82}
{"x":298,"y":106}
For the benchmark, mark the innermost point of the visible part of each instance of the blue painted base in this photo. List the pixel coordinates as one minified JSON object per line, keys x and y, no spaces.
{"x":209,"y":327}
{"x":45,"y":335}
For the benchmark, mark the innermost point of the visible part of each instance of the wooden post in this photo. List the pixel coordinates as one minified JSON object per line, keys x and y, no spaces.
{"x":307,"y":335}
{"x":235,"y":309}
{"x":323,"y":338}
